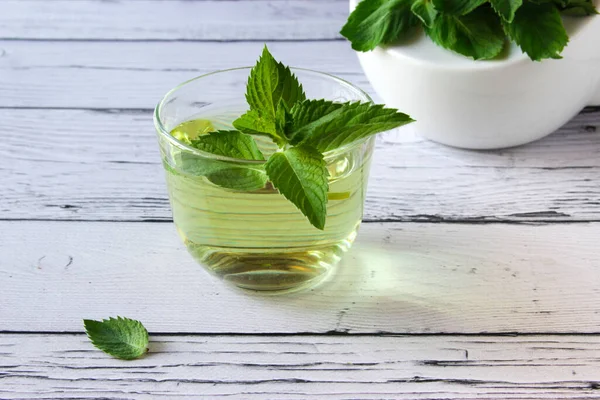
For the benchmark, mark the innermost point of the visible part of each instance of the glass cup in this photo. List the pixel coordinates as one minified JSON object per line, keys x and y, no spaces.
{"x":257,"y":239}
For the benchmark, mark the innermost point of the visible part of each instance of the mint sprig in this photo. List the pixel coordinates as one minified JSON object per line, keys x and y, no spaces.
{"x":120,"y":337}
{"x":304,"y":130}
{"x":472,"y":28}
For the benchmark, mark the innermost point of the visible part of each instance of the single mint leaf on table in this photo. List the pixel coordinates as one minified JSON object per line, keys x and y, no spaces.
{"x":299,"y":173}
{"x":425,"y":11}
{"x":120,"y":337}
{"x":539,"y":31}
{"x":353,"y":122}
{"x":506,"y":8}
{"x":478,"y":34}
{"x":376,"y":22}
{"x":457,"y":7}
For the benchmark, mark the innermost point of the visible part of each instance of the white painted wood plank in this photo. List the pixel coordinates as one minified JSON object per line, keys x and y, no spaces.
{"x":318,"y":367}
{"x":399,"y":278}
{"x":195,"y":58}
{"x":107,"y":136}
{"x":172,"y":20}
{"x":103,"y":88}
{"x":134,"y":75}
{"x":104,"y":165}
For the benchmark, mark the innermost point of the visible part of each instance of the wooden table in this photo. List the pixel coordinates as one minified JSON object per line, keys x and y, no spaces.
{"x":476,"y":274}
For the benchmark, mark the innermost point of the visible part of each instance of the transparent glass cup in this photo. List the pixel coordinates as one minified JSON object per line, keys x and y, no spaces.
{"x":257,"y":239}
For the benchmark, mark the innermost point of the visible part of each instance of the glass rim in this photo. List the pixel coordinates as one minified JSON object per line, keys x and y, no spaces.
{"x":160,"y":128}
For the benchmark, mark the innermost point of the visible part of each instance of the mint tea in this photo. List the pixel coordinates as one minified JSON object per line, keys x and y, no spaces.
{"x":257,"y":239}
{"x":268,"y":193}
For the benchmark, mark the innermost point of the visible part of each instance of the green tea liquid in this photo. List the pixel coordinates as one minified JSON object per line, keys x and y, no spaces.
{"x":259,"y":240}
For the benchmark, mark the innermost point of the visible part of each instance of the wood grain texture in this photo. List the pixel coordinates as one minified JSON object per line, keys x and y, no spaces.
{"x":77,"y":82}
{"x":104,"y":165}
{"x":320,"y":367}
{"x":194,"y":58}
{"x":399,"y":278}
{"x":172,"y":20}
{"x":137,"y":75}
{"x":110,"y":171}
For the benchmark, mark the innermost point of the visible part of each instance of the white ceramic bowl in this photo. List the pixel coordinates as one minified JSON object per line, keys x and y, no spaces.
{"x":488,"y":104}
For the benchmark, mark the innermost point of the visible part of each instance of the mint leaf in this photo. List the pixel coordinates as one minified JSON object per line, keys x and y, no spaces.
{"x":573,"y":8}
{"x":239,"y":178}
{"x":269,"y":82}
{"x":229,"y":175}
{"x":191,"y":164}
{"x":478,"y":34}
{"x":538,"y":29}
{"x":120,"y":337}
{"x":506,"y":8}
{"x":308,"y":115}
{"x":299,"y":173}
{"x":375,"y":22}
{"x":350,"y":123}
{"x":232,"y":144}
{"x":272,"y":89}
{"x":283,"y":121}
{"x":226,"y":174}
{"x":457,"y":7}
{"x":579,"y":8}
{"x":425,"y":11}
{"x":256,"y":122}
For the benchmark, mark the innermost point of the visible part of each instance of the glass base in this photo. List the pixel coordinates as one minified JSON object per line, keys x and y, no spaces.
{"x":272,"y":269}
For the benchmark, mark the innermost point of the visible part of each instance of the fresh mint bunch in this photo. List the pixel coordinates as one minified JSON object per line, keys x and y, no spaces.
{"x":473,"y":28}
{"x":304,"y":130}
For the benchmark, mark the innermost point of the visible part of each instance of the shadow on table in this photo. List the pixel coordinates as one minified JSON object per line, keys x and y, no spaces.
{"x":428,"y":275}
